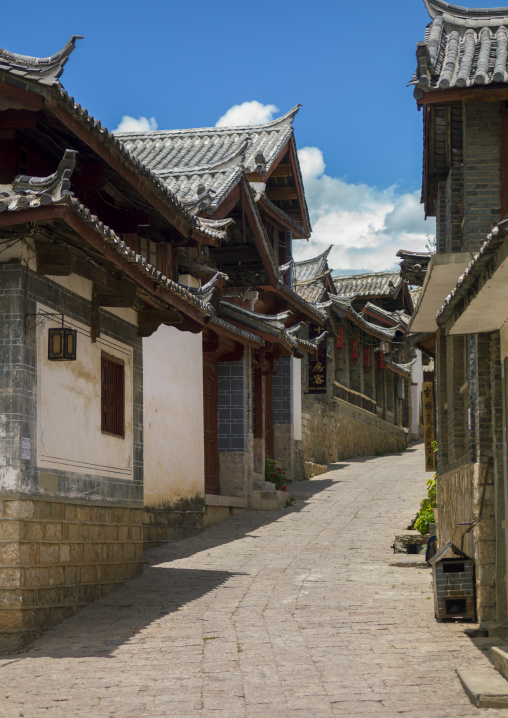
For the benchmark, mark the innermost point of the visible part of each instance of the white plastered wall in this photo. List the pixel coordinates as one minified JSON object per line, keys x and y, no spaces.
{"x":297,"y":399}
{"x":69,"y":435}
{"x":173,"y":416}
{"x":416,"y":393}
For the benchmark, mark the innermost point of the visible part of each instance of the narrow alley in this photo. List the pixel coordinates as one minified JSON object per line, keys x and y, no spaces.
{"x":269,"y":614}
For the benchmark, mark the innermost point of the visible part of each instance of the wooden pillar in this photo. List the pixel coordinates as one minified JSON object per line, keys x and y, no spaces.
{"x":269,"y":432}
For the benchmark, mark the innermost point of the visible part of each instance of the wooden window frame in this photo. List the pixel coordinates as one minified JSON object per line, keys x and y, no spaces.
{"x":113,"y":394}
{"x":148,"y":250}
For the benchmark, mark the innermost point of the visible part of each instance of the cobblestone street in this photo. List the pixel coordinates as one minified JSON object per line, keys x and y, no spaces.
{"x":268,"y":614}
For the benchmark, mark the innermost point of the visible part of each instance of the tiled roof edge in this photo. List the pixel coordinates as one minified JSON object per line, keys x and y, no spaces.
{"x":494,"y":240}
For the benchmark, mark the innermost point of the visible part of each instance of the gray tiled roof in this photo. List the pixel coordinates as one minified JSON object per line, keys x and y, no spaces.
{"x":399,"y":317}
{"x":312,"y":268}
{"x":462,"y":48}
{"x":413,"y":267}
{"x":207,"y":162}
{"x":344,"y":308}
{"x":313,"y":292}
{"x":43,"y":70}
{"x":309,"y":277}
{"x":375,"y":284}
{"x":40,"y":75}
{"x":30,"y":193}
{"x":272,"y":324}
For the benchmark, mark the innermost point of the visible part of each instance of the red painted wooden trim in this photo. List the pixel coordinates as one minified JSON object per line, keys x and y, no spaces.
{"x":28,"y":100}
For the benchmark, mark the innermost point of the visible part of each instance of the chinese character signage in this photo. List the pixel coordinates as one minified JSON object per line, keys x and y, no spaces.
{"x":317,"y":368}
{"x":366,"y":356}
{"x":340,"y":338}
{"x":428,"y":425}
{"x":354,"y":349}
{"x":380,"y":359}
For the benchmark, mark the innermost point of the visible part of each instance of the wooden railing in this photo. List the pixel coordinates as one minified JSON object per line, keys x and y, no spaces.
{"x":354,"y":397}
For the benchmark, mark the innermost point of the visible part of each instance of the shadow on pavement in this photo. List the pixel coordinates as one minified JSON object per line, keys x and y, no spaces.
{"x":120,"y":618}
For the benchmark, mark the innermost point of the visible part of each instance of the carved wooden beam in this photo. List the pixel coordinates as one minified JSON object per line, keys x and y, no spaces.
{"x":281,"y":193}
{"x":54,"y":259}
{"x":149,"y":320}
{"x":122,"y":294}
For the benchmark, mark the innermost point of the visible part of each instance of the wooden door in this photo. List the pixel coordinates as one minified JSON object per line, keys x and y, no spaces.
{"x":211,"y":426}
{"x":269,"y":434}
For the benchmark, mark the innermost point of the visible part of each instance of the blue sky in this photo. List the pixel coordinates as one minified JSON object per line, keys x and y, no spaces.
{"x":186,"y":64}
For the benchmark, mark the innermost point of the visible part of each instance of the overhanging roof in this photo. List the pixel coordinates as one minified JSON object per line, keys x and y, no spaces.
{"x":462,"y":48}
{"x":442,"y":275}
{"x":479,"y":302}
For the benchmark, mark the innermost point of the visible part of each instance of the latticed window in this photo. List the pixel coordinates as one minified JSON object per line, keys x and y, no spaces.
{"x":112,"y":395}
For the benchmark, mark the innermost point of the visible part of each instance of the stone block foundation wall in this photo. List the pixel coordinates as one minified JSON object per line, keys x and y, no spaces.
{"x":160,"y":525}
{"x":58,"y":555}
{"x":336,"y":430}
{"x":460,"y":494}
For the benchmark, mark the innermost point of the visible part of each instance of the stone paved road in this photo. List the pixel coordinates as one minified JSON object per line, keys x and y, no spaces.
{"x":293,"y":614}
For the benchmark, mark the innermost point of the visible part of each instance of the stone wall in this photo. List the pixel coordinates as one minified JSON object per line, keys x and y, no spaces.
{"x":56,"y":556}
{"x":460,"y":496}
{"x":337,"y":430}
{"x":161,"y":525}
{"x":482,"y":180}
{"x":454,"y":195}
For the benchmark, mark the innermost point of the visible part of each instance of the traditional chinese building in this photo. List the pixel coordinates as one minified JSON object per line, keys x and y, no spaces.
{"x":461,"y":90}
{"x":247,"y":178}
{"x":357,"y":390}
{"x":128,"y":388}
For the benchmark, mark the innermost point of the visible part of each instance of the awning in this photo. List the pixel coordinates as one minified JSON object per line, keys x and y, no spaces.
{"x":479,"y":303}
{"x":442,"y":275}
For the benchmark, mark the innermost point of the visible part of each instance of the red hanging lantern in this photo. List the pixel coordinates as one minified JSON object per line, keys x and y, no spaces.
{"x":354,"y":349}
{"x":366,"y":356}
{"x":340,"y":338}
{"x":380,"y":360}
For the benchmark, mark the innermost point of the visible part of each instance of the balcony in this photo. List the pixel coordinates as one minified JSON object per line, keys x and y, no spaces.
{"x":354,"y":397}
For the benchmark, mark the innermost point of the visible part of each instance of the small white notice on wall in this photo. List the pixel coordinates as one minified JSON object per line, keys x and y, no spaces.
{"x":25,"y":448}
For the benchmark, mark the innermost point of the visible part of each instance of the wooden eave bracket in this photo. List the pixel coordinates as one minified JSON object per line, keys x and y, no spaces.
{"x":149,"y":320}
{"x":196,"y":318}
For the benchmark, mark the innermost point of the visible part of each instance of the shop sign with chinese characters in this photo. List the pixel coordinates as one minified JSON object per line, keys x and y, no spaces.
{"x":317,"y":368}
{"x":428,"y":425}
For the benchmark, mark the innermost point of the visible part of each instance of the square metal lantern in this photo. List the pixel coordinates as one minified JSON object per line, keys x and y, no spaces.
{"x":62,"y":344}
{"x":454,"y":584}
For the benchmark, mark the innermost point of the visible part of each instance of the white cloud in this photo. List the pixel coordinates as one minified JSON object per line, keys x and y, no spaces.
{"x":248,"y":113}
{"x":141,"y":124}
{"x":366,"y":225}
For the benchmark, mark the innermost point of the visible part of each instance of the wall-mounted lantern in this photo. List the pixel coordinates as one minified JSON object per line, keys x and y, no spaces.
{"x":62,"y":343}
{"x":354,"y":349}
{"x":380,"y":360}
{"x":366,"y":356}
{"x":340,"y":338}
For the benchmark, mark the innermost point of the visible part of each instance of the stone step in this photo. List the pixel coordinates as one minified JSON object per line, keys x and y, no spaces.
{"x":408,"y":560}
{"x":484,"y":687}
{"x":311,"y":469}
{"x":499,"y":658}
{"x":264,"y":486}
{"x":409,"y":541}
{"x":267,"y":500}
